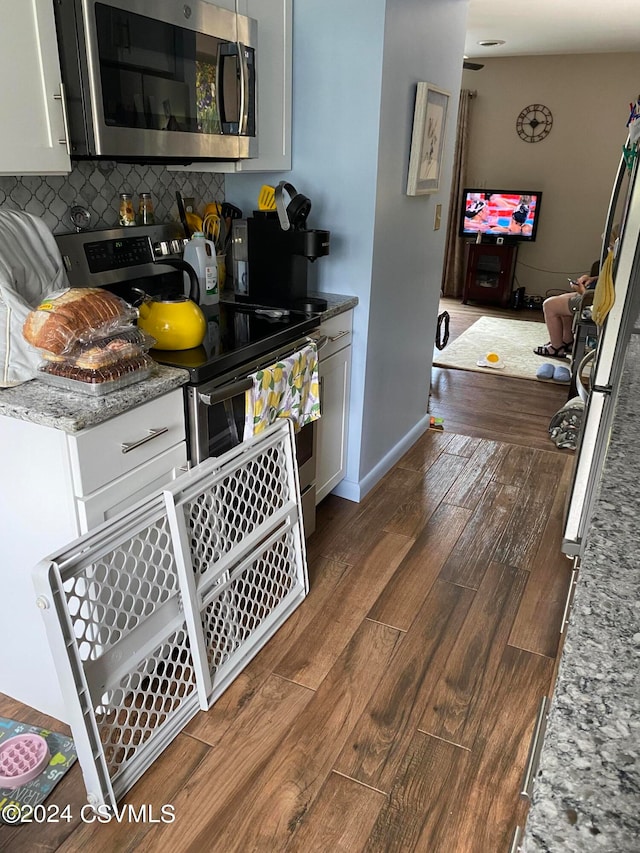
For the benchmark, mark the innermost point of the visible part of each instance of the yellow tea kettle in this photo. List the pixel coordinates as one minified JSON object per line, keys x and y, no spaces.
{"x":178,"y":323}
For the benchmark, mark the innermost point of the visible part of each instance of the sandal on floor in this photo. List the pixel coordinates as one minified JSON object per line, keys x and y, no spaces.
{"x":547,"y":351}
{"x":568,"y":347}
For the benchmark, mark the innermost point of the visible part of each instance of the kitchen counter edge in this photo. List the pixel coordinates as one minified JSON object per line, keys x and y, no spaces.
{"x":39,"y":403}
{"x":585,"y":795}
{"x":336,"y":303}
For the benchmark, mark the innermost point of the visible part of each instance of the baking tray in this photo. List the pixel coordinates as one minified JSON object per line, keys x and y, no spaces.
{"x":95,"y":389}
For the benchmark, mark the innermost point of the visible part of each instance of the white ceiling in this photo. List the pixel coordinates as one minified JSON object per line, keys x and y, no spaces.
{"x":553,"y":26}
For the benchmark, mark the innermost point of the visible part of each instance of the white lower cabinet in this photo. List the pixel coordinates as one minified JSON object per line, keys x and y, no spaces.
{"x":335,"y":372}
{"x":114,"y":498}
{"x":118,"y":447}
{"x":56,"y":486}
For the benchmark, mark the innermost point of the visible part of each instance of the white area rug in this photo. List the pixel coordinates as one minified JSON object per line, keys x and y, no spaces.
{"x":512,"y":340}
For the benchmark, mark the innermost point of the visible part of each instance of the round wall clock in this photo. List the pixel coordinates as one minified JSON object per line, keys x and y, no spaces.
{"x":534,"y":123}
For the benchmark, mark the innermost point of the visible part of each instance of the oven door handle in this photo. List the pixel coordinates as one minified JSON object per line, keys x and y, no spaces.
{"x":321,"y":341}
{"x":219,"y":395}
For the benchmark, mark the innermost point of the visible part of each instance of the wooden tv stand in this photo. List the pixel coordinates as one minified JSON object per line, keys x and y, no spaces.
{"x":489,"y":273}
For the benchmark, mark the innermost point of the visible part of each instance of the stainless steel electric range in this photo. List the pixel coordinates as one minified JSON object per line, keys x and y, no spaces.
{"x":240,"y":338}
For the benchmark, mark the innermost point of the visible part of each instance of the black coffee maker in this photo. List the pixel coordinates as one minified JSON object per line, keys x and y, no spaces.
{"x":279,"y":248}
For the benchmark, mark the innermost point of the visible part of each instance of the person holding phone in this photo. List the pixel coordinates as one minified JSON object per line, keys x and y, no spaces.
{"x":558,"y":316}
{"x":559,"y":311}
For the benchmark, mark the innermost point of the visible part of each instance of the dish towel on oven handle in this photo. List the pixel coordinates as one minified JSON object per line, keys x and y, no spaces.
{"x":287,"y":389}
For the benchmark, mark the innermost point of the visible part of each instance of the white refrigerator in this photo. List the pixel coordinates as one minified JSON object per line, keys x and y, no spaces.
{"x":613,"y":338}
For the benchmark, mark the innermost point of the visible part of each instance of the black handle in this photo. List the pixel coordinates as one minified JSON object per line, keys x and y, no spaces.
{"x":179,"y":264}
{"x":235,"y":79}
{"x":183,"y":214}
{"x":230,"y":211}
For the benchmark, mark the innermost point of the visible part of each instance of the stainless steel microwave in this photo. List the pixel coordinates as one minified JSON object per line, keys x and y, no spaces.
{"x":158,"y":80}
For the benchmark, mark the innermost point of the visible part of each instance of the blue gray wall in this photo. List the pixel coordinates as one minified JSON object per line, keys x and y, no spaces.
{"x":355,"y":70}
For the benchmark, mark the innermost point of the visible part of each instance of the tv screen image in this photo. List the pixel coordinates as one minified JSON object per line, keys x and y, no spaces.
{"x":511,"y":214}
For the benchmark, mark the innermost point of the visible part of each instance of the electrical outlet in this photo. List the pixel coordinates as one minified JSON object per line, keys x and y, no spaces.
{"x":438,"y":217}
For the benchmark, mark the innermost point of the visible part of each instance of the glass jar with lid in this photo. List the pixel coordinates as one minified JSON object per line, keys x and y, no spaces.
{"x":146,"y":215}
{"x":126,"y":215}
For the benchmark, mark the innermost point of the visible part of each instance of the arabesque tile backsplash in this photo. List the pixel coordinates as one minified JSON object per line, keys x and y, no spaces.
{"x":96,"y":185}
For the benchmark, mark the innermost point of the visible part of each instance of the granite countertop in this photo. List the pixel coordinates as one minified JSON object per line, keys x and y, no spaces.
{"x":587,"y":792}
{"x":43,"y":404}
{"x":336,"y":304}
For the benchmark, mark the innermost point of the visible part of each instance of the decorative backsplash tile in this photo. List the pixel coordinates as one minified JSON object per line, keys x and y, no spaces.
{"x":96,"y":185}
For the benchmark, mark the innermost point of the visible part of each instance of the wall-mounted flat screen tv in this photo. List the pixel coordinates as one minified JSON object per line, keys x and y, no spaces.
{"x":508,"y":214}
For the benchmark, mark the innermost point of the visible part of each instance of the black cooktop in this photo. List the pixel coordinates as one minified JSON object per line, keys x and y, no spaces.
{"x":236,"y":335}
{"x":122,"y":259}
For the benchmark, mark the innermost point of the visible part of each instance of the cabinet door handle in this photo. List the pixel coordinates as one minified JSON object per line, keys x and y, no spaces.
{"x":569,"y":601}
{"x":63,"y":103}
{"x":534,"y":750}
{"x":128,"y":446}
{"x":515,"y":841}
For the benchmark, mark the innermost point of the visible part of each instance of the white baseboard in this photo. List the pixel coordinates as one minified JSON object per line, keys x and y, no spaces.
{"x":356,"y":491}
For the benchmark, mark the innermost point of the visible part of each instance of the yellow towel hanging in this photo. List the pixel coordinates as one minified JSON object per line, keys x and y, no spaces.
{"x":604,"y":295}
{"x":287,"y":389}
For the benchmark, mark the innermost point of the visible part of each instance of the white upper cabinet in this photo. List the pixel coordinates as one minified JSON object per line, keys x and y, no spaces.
{"x":275,"y":59}
{"x":33,"y":140}
{"x":273,"y":72}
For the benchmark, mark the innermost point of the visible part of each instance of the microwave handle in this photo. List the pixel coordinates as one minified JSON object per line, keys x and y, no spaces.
{"x":244,"y":90}
{"x":219,"y":395}
{"x":229,"y":123}
{"x":241,"y":119}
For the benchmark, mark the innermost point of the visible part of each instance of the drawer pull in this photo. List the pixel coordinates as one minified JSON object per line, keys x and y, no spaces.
{"x":128,"y":446}
{"x":337,"y":337}
{"x":534,"y":750}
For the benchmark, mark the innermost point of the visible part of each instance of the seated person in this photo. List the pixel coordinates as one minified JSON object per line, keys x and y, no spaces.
{"x":559,"y":311}
{"x":558,"y":315}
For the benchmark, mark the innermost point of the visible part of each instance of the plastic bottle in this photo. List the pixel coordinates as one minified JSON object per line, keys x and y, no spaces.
{"x":201,"y":254}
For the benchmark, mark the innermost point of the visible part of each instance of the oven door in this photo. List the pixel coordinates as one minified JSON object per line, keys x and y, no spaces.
{"x":216,"y":416}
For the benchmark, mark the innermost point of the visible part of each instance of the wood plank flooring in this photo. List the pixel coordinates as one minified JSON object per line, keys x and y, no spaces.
{"x":394,"y":709}
{"x":517,"y":411}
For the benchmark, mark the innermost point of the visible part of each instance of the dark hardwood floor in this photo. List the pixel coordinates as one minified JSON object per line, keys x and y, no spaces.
{"x":492,"y":406}
{"x":394,"y":710}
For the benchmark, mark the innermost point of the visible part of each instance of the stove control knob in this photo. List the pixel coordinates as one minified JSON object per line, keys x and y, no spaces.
{"x":176,"y":247}
{"x":160,"y":249}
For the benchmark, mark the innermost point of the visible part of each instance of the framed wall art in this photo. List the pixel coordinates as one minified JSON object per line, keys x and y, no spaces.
{"x":427,"y":139}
